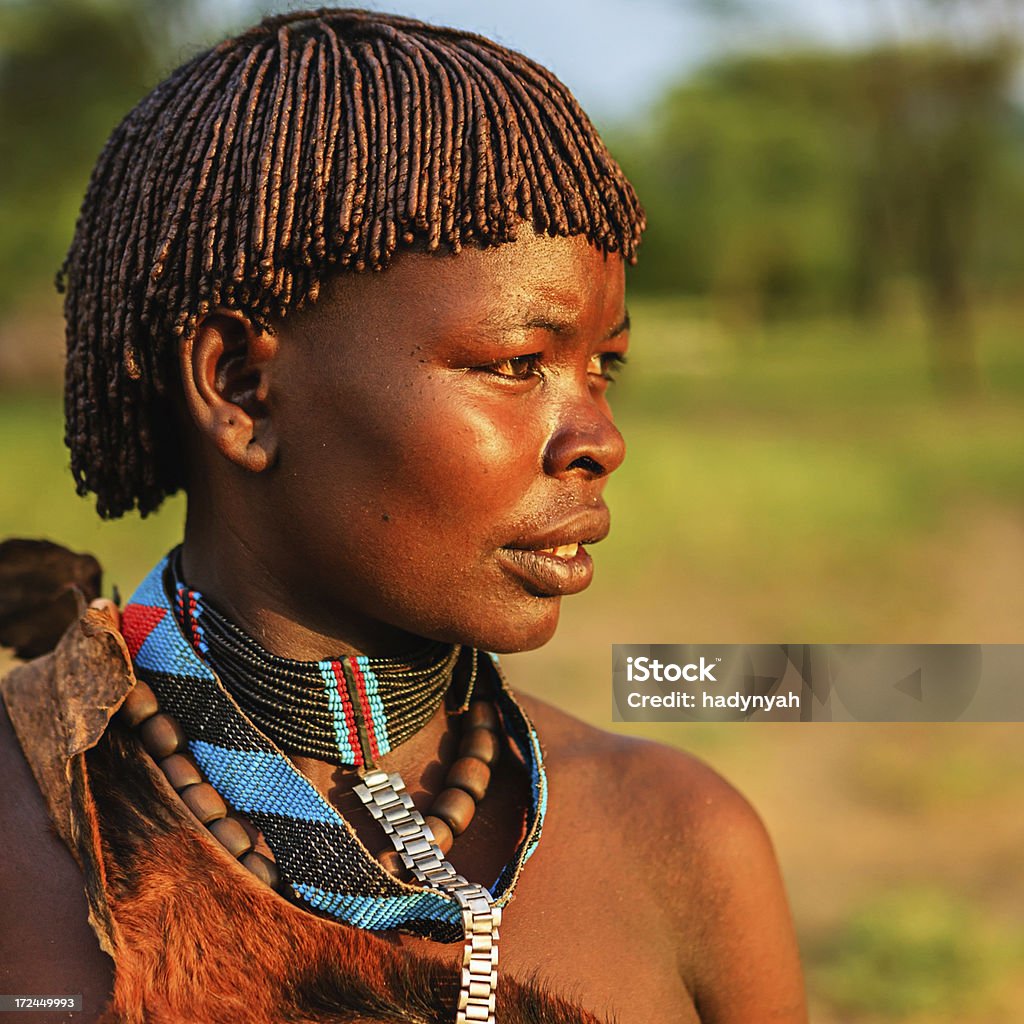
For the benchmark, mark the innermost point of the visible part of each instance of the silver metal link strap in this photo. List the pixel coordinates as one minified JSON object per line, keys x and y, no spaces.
{"x":386,"y":798}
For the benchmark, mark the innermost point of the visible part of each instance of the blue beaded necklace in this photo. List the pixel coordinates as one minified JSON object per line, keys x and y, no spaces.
{"x":317,"y":851}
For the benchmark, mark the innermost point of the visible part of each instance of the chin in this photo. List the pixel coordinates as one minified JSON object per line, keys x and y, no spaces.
{"x":526,"y":634}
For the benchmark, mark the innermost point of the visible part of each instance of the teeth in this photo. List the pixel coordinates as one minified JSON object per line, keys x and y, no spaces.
{"x":562,"y":551}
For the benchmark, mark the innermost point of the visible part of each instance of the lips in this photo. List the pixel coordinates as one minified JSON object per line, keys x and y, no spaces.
{"x":548,"y":575}
{"x":553,"y":560}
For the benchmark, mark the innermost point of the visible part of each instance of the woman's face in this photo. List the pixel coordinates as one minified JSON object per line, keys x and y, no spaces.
{"x":444,"y":440}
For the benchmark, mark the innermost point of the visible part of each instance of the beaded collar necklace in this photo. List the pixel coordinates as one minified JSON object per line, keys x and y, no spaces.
{"x":347,"y":711}
{"x":318,"y":853}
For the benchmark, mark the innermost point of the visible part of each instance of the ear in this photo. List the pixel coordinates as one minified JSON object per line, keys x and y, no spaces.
{"x":225,"y":374}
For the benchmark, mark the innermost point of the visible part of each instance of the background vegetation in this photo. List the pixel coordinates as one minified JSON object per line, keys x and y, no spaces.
{"x":825,"y":412}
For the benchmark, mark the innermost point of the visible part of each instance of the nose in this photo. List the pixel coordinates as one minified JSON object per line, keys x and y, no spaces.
{"x":585,"y":441}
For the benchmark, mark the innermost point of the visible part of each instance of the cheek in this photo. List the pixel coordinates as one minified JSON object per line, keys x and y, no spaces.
{"x":485,"y":456}
{"x":447,"y":426}
{"x":426,"y":466}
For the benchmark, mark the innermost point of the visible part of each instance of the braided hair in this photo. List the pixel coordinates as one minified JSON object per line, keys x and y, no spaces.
{"x":326,"y":139}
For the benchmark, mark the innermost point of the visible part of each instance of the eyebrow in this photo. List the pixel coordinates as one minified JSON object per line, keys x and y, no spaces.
{"x":543,"y":323}
{"x":622,"y":327}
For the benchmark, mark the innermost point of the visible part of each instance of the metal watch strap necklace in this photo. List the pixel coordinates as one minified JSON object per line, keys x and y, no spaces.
{"x":291,"y":702}
{"x":386,"y":798}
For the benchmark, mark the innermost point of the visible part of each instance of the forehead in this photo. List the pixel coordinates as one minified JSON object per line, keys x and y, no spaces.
{"x":561,"y":281}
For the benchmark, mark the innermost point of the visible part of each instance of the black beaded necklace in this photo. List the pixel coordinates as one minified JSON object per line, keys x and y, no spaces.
{"x":348,"y":710}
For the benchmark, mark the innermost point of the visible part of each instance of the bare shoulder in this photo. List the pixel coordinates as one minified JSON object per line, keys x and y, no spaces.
{"x":46,"y":943}
{"x":653,"y":785}
{"x":695,"y":842}
{"x":683,"y":828}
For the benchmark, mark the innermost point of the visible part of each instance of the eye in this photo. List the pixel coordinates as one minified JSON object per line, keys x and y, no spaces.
{"x":516,"y":367}
{"x":606,"y":365}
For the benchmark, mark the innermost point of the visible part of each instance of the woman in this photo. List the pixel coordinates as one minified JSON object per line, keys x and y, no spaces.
{"x":387,"y":474}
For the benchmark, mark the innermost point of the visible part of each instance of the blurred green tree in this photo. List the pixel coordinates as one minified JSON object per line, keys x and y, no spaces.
{"x":69,"y":71}
{"x":785,"y":183}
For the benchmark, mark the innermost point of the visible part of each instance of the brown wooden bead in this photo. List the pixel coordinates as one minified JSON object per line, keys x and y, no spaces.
{"x":456,"y":807}
{"x":204,"y":802}
{"x":161,"y":735}
{"x":231,"y":835}
{"x":263,"y":868}
{"x":470,"y":774}
{"x":391,"y":861}
{"x":140,"y":704}
{"x":481,"y":743}
{"x":180,"y":771}
{"x":440,"y":831}
{"x":481,"y":714}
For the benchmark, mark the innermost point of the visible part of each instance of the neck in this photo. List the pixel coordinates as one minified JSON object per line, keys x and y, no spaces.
{"x":345,"y":710}
{"x":256,"y":590}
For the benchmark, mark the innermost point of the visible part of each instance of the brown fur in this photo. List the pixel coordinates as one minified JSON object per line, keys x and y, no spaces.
{"x":38,"y":585}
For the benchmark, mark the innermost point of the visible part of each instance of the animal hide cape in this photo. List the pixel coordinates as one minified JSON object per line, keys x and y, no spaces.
{"x":193,"y":935}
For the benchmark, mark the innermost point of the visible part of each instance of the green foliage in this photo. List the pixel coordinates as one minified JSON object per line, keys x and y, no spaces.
{"x":68,"y":73}
{"x":743,"y":194}
{"x":788,"y":182}
{"x":38,"y":497}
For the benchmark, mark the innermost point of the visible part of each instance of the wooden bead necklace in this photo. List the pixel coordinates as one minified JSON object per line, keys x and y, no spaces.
{"x":165,"y":741}
{"x":465,"y":783}
{"x":449,"y":815}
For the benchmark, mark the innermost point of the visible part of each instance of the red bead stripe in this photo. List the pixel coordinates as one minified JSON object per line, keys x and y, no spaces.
{"x":364,"y":703}
{"x":137,"y":622}
{"x":350,"y":715}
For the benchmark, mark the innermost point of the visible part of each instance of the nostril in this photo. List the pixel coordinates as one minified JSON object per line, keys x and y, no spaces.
{"x":585,"y":462}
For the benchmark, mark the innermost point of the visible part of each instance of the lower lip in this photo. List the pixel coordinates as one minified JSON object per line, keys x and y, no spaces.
{"x":546,"y":575}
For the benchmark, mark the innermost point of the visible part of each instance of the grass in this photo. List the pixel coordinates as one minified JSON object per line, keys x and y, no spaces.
{"x":919,"y":952}
{"x":39,"y":499}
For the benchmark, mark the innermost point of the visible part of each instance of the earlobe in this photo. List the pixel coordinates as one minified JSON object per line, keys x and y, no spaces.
{"x":225,"y":373}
